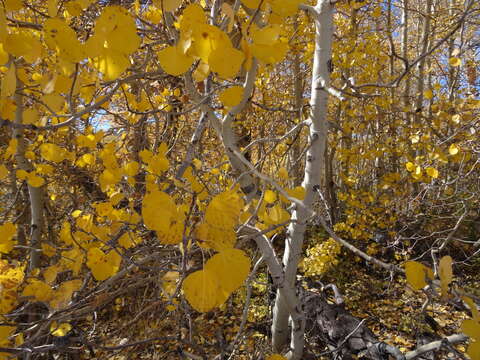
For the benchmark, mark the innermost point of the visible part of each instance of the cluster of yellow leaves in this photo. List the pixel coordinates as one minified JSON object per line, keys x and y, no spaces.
{"x":11,"y":277}
{"x":221,"y":216}
{"x":7,"y":233}
{"x":211,"y":45}
{"x":103,"y":265}
{"x":5,"y":333}
{"x":161,"y":214}
{"x":419,"y":275}
{"x":115,"y":38}
{"x":83,"y":241}
{"x":222,"y":274}
{"x":156,"y":163}
{"x":321,"y":257}
{"x":471,"y":327}
{"x":272,"y":213}
{"x":55,"y":298}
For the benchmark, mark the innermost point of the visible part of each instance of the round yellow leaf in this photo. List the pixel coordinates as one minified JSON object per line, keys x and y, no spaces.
{"x":269,"y":197}
{"x":471,"y":328}
{"x":454,"y":61}
{"x":432,"y":172}
{"x":231,"y":267}
{"x":417,"y":273}
{"x":158,"y":211}
{"x":173,"y":61}
{"x":226,"y":62}
{"x":7,"y":232}
{"x":453,"y":149}
{"x":232,"y":96}
{"x":103,"y":265}
{"x":60,"y":330}
{"x":201,"y":289}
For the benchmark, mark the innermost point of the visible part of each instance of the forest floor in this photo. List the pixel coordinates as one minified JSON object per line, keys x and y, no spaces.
{"x":392,"y":309}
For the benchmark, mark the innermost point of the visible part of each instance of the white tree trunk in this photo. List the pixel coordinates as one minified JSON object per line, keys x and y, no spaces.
{"x":314,"y":172}
{"x":35,"y":193}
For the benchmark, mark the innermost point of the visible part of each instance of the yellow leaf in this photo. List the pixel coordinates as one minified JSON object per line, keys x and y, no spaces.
{"x":158,"y":211}
{"x":63,"y":295}
{"x":432,"y":172}
{"x":173,"y":61}
{"x":128,"y":240}
{"x":201,"y":72}
{"x":471,"y":328}
{"x":428,"y":94}
{"x":410,"y":166}
{"x":284,"y":8}
{"x":131,"y":168}
{"x":5,"y":333}
{"x":474,"y":350}
{"x":252,"y":4}
{"x":445,"y":273}
{"x":54,"y":102}
{"x":103,"y":265}
{"x":201,"y":289}
{"x":169,"y":282}
{"x":283,"y":173}
{"x":50,"y":274}
{"x":116,"y":30}
{"x":232,"y":96}
{"x":226,"y":62}
{"x":454,"y":61}
{"x":417,"y":274}
{"x":35,"y":180}
{"x":7,"y":232}
{"x":73,"y":8}
{"x":269,"y":197}
{"x":39,"y":290}
{"x":52,"y":152}
{"x":111,"y":63}
{"x":3,"y":172}
{"x":456,"y":118}
{"x":232,"y":267}
{"x":13,"y":5}
{"x":3,"y":55}
{"x":30,"y":116}
{"x":72,"y":259}
{"x":24,"y":45}
{"x":193,"y":15}
{"x":453,"y":149}
{"x":168,"y":5}
{"x":48,"y":250}
{"x":270,"y":54}
{"x":61,"y":38}
{"x":9,"y":82}
{"x":60,"y":330}
{"x":52,"y":8}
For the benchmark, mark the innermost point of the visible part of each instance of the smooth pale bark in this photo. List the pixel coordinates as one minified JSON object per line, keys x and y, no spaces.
{"x":35,"y":193}
{"x":322,"y":14}
{"x":405,"y":39}
{"x":295,"y":168}
{"x":421,"y":64}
